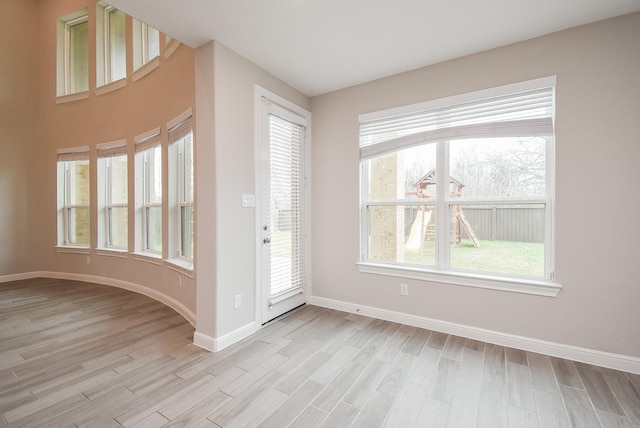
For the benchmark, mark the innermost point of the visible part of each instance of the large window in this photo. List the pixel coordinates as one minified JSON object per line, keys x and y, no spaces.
{"x":148,"y":170}
{"x":73,"y":197}
{"x":146,"y":43}
{"x":110,"y":44}
{"x":463,"y":185}
{"x":182,"y":185}
{"x":73,"y":53}
{"x":112,"y":196}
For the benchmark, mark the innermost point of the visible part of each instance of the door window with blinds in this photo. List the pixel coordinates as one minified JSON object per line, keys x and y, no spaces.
{"x":73,"y":197}
{"x":283,"y":212}
{"x":462,"y":185}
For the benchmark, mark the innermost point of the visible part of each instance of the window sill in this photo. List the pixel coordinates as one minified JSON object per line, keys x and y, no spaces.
{"x":62,"y":99}
{"x":112,"y":253}
{"x":181,"y":266}
{"x":515,"y":285}
{"x":170,"y":48}
{"x":74,"y":249}
{"x":146,"y":69}
{"x":110,"y":87}
{"x":152,"y":258}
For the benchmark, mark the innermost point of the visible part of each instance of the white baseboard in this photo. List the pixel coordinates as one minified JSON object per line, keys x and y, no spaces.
{"x":205,"y":342}
{"x":215,"y":344}
{"x":18,"y":277}
{"x":584,"y":355}
{"x":149,"y":292}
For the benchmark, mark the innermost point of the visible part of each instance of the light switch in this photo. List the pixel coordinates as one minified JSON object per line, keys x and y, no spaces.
{"x":248,"y":200}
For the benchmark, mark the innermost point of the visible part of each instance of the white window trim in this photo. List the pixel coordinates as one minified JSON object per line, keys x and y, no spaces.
{"x":103,"y":46}
{"x":62,"y":219}
{"x":63,"y":72}
{"x":542,"y":287}
{"x":181,"y":266}
{"x":146,"y":69}
{"x":111,"y":87}
{"x":140,"y":202}
{"x":141,"y":45}
{"x":170,"y":47}
{"x":176,"y":198}
{"x":104,"y":183}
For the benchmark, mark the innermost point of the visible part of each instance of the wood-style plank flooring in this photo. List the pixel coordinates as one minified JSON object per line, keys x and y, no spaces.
{"x":87,"y":355}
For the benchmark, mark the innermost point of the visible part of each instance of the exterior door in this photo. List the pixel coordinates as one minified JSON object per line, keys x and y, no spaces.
{"x":283,"y":233}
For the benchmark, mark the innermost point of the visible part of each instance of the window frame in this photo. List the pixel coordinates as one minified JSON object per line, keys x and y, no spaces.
{"x":141,"y":55}
{"x":106,"y":153}
{"x":180,"y":129}
{"x":64,"y":157}
{"x":104,"y":44}
{"x":442,"y":271}
{"x":65,"y":23}
{"x":143,"y":146}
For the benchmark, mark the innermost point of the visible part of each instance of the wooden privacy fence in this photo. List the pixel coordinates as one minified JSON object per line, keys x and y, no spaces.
{"x":517,"y":224}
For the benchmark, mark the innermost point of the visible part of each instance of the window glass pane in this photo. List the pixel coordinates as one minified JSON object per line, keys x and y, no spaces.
{"x":186,"y":223}
{"x":77,"y":186}
{"x":153,"y":42}
{"x":117,"y":45}
{"x":188,"y":169}
{"x":408,"y":173}
{"x":78,"y":225}
{"x":402,"y":234}
{"x":509,"y":239}
{"x":78,"y":57}
{"x":154,"y":228}
{"x":117,"y":226}
{"x":154,"y":184}
{"x":118,"y":168}
{"x":498,"y":167}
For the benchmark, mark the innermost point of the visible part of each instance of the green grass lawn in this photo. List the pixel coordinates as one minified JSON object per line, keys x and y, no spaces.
{"x":517,"y":258}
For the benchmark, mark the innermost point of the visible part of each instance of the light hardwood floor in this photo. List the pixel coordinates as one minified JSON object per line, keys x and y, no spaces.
{"x":87,"y":355}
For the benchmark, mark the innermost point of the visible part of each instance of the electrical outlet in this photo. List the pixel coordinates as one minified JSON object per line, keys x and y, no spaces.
{"x":237,"y":301}
{"x":180,"y":281}
{"x":404,"y":289}
{"x":88,"y":260}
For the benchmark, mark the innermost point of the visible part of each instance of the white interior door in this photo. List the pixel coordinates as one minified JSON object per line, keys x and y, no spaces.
{"x":283,"y":233}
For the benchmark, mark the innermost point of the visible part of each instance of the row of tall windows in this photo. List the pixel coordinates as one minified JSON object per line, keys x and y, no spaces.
{"x":111,"y":48}
{"x":113,"y":202}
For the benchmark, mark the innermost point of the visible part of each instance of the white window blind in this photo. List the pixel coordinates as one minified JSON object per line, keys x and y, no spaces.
{"x":180,"y":130}
{"x":528,"y":112}
{"x":287,"y":249}
{"x":73,"y":154}
{"x":147,"y":141}
{"x":108,"y":150}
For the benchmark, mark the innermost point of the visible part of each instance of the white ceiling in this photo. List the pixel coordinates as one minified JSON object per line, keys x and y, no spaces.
{"x":318,"y":46}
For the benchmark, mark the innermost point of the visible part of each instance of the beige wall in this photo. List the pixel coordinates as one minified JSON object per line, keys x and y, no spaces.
{"x":18,"y":90}
{"x":139,"y":107}
{"x":225,"y":91}
{"x":598,"y":153}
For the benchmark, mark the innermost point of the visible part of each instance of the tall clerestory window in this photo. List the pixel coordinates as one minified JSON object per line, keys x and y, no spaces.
{"x":73,"y":53}
{"x":146,"y":43}
{"x":111,"y":51}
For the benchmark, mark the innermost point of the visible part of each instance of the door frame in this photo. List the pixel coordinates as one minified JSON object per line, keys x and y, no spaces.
{"x":259,"y":170}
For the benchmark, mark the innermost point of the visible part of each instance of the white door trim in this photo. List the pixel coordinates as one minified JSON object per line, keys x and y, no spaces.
{"x":259,"y":94}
